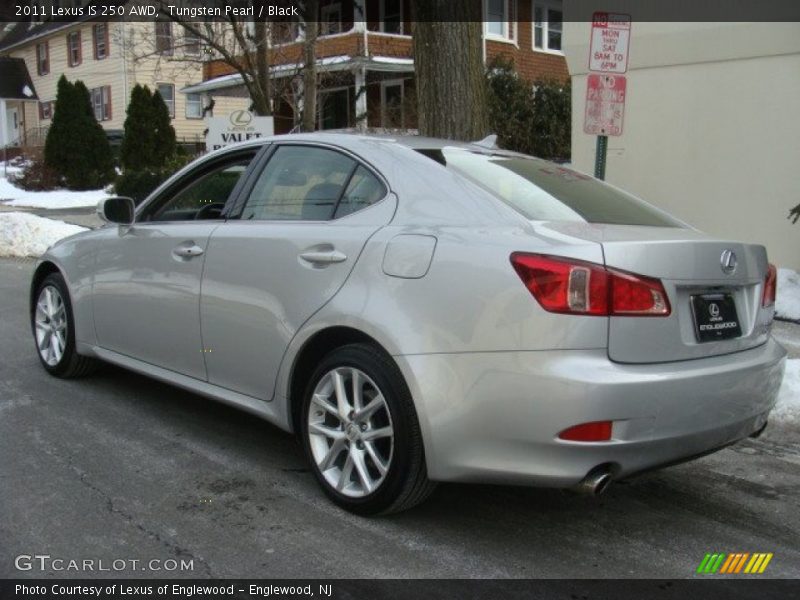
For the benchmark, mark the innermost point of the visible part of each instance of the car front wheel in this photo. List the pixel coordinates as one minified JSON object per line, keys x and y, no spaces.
{"x":54,"y":330}
{"x":361,"y":433}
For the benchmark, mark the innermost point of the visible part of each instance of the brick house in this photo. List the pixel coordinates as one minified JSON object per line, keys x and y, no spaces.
{"x":366,"y":66}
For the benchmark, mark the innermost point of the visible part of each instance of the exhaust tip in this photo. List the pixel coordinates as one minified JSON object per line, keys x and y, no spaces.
{"x":595,"y":483}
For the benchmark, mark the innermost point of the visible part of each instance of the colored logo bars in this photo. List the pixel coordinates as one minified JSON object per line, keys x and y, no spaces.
{"x":738,"y":562}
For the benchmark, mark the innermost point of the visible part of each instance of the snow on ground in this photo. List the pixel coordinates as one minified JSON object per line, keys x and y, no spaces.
{"x":787,"y":411}
{"x":23,"y":234}
{"x":11,"y":195}
{"x":787,"y":302}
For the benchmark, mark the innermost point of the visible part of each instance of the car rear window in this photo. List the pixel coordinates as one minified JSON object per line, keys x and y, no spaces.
{"x":544,"y":191}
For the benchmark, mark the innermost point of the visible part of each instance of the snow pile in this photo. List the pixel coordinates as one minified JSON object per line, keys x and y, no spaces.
{"x":23,"y":234}
{"x":787,"y":302}
{"x":11,"y":195}
{"x":787,"y":411}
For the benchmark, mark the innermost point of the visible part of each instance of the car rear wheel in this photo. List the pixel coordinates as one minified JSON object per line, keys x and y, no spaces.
{"x":361,"y":433}
{"x":54,"y":330}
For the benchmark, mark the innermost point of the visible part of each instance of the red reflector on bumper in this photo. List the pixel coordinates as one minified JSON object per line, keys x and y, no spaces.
{"x":597,"y":431}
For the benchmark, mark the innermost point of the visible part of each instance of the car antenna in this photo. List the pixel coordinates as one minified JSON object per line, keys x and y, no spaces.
{"x":490,"y":142}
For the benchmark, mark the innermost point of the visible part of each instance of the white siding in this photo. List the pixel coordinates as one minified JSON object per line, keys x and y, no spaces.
{"x":711,"y":132}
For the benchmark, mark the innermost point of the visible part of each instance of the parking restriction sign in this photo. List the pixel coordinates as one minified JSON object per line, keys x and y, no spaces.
{"x":605,"y":104}
{"x":610,"y":42}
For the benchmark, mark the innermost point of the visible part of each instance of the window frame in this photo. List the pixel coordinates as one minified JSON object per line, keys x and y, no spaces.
{"x":382,"y":18}
{"x":79,"y":59}
{"x":104,"y":95}
{"x":191,"y":174}
{"x":509,"y":33}
{"x":187,"y":102}
{"x":324,"y":20}
{"x":260,"y":163}
{"x":97,"y":39}
{"x":546,"y":6}
{"x":46,"y":46}
{"x":386,"y":83}
{"x":46,"y":109}
{"x":170,"y":105}
{"x":169,"y":50}
{"x":192,"y":44}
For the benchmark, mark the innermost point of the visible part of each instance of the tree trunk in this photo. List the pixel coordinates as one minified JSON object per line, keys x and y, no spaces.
{"x":310,"y":66}
{"x":448,"y":62}
{"x":261,"y":97}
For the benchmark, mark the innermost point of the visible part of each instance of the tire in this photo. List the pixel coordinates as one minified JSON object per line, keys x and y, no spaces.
{"x":390,"y":475}
{"x":52,"y":319}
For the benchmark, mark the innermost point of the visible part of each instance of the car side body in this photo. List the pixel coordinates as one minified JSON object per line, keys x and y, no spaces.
{"x":425,"y":274}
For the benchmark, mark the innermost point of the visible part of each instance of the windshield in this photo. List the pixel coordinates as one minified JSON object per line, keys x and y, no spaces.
{"x":543,"y":191}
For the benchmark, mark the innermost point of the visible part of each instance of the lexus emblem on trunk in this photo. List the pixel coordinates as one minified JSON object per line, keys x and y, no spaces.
{"x":728,"y":261}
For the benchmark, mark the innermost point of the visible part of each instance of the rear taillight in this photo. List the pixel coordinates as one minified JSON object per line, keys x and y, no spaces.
{"x":770,"y":286}
{"x":564,"y":285}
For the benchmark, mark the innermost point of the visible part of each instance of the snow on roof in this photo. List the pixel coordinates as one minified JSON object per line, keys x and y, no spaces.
{"x":330,"y":63}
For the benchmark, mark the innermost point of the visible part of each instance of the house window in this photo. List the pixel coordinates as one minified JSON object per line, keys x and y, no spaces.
{"x":500,"y":19}
{"x":335,"y":108}
{"x":191,"y":42}
{"x":391,"y":16}
{"x":167,"y":91}
{"x":74,"y":53}
{"x":101,"y":102}
{"x":164,"y":43}
{"x":42,"y":58}
{"x":46,"y":110}
{"x":194,"y":106}
{"x":100,"y":38}
{"x":547,"y":26}
{"x":392,"y":104}
{"x":330,"y":19}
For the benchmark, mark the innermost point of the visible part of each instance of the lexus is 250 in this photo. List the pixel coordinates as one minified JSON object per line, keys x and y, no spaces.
{"x":420,"y":310}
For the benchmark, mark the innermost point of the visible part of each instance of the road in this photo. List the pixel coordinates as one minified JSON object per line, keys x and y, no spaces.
{"x":116,"y":466}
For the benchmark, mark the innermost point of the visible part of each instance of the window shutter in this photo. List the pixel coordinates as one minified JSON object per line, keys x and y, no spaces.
{"x":47,"y":55}
{"x":107,"y":110}
{"x":108,"y":45}
{"x":80,"y":48}
{"x":41,"y":111}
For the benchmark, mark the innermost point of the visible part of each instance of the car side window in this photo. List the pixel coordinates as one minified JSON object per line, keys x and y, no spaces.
{"x":203,"y":198}
{"x":305,"y":183}
{"x":363,"y":190}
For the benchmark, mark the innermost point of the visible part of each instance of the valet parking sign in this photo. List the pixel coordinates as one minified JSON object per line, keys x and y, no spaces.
{"x":606,"y":87}
{"x":239,"y":126}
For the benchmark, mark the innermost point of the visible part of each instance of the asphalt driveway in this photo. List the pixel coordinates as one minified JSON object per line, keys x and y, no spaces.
{"x":116,"y":466}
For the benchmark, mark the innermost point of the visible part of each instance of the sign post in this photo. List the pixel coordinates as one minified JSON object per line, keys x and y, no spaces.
{"x":605,"y":94}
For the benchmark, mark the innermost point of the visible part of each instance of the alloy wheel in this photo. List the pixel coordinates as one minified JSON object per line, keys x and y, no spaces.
{"x":51,"y":325}
{"x":350,"y":432}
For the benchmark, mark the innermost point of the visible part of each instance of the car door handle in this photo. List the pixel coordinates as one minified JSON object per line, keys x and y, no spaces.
{"x":188,"y":251}
{"x":323,"y":257}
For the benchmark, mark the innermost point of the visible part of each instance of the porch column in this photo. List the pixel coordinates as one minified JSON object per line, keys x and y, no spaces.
{"x":3,"y":126}
{"x":359,"y":15}
{"x":361,"y":97}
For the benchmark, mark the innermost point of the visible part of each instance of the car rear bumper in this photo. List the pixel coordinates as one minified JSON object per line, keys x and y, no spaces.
{"x":495,"y":416}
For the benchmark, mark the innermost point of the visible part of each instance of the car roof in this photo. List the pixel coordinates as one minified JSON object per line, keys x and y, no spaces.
{"x":354,"y":140}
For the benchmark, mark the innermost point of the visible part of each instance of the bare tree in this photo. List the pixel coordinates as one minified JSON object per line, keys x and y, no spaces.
{"x":248,"y":47}
{"x":448,"y":61}
{"x":310,"y":65}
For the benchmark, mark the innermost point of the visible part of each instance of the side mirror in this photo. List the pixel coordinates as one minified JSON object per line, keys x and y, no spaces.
{"x":117,"y":210}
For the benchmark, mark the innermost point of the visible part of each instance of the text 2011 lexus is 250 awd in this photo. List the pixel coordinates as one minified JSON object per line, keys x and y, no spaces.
{"x":421,"y":310}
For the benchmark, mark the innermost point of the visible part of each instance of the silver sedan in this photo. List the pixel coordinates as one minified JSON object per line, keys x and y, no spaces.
{"x":420,"y":310}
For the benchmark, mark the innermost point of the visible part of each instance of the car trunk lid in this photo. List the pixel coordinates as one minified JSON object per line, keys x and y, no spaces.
{"x":690,"y":266}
